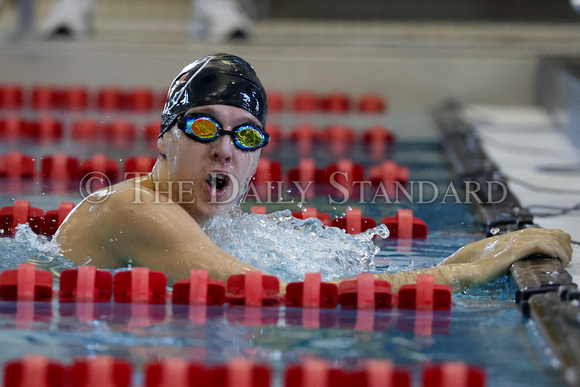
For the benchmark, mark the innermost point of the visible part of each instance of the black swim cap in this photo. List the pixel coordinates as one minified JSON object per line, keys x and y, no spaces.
{"x":219,"y":79}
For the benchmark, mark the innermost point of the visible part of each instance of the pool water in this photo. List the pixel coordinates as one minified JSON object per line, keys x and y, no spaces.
{"x":484,"y":327}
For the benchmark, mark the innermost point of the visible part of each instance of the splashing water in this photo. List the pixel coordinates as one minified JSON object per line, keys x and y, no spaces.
{"x":28,"y":247}
{"x":277,"y":243}
{"x":287,"y":247}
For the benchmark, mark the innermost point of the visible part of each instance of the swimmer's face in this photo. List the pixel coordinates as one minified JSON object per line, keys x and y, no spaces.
{"x":214,"y":175}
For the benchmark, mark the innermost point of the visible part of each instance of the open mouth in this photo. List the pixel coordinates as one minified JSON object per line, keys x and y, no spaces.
{"x":218,"y":181}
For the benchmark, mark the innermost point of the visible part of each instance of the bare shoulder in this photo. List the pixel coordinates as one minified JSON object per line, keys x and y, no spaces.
{"x":132,"y":224}
{"x":94,"y":229}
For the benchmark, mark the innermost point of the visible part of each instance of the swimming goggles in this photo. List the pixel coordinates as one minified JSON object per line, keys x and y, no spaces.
{"x":205,"y":129}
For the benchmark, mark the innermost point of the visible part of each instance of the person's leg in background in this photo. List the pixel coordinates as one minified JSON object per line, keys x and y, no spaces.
{"x":69,"y":18}
{"x":212,"y":20}
{"x":222,"y":20}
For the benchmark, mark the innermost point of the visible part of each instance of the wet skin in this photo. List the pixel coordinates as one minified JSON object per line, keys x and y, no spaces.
{"x":154,"y":221}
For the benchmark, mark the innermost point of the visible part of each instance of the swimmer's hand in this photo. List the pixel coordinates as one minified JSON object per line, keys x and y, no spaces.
{"x":493,"y":256}
{"x":490,"y":258}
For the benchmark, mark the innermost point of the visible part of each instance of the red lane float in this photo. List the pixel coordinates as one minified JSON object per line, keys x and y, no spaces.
{"x":457,"y":374}
{"x":112,"y":98}
{"x":388,"y":173}
{"x":86,"y":129}
{"x":343,"y":175}
{"x":99,"y":164}
{"x":199,"y":290}
{"x":177,"y":372}
{"x":306,"y":102}
{"x":276,"y":137}
{"x":261,"y":210}
{"x":102,"y":371}
{"x":120,"y":132}
{"x":366,"y":292}
{"x":11,"y":127}
{"x":268,"y":170}
{"x":339,"y":138}
{"x":138,"y":166}
{"x":140,"y":100}
{"x":53,"y":218}
{"x":311,"y":293}
{"x":11,"y":96}
{"x":171,"y":372}
{"x":276,"y":101}
{"x":372,"y":103}
{"x":73,"y":97}
{"x":336,"y":102}
{"x":46,"y":128}
{"x":43,"y":97}
{"x":405,"y":226}
{"x":373,"y":373}
{"x":267,"y":180}
{"x":20,"y":213}
{"x":378,"y":134}
{"x":16,"y":165}
{"x":140,"y":286}
{"x":26,"y":284}
{"x":85,"y":284}
{"x":253,"y":289}
{"x":337,"y":133}
{"x":39,"y":221}
{"x":384,"y":373}
{"x":306,"y":175}
{"x":303,"y":136}
{"x":243,"y":373}
{"x":109,"y":99}
{"x":34,"y":371}
{"x":60,"y":167}
{"x":354,"y":222}
{"x":425,"y":295}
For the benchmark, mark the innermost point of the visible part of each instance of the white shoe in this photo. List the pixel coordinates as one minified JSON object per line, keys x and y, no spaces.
{"x":69,"y":18}
{"x":219,"y":21}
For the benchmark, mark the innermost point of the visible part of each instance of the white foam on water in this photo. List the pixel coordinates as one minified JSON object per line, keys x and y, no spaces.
{"x":28,"y":247}
{"x":277,"y":243}
{"x":287,"y":247}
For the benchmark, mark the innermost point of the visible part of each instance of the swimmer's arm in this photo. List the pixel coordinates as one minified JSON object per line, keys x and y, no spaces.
{"x":490,"y":258}
{"x":160,"y":236}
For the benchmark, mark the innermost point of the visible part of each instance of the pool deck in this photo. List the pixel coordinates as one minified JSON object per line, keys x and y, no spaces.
{"x":539,"y":161}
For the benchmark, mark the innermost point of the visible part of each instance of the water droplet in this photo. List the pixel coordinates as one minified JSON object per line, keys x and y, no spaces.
{"x":288,"y":247}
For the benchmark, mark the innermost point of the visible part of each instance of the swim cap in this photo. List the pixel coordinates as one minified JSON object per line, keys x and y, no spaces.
{"x":219,"y":79}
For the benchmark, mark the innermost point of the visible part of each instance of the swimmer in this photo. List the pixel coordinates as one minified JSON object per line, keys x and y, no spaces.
{"x":212,"y":131}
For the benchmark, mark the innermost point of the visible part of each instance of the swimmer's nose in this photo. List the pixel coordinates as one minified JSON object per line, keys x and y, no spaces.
{"x":223,"y":149}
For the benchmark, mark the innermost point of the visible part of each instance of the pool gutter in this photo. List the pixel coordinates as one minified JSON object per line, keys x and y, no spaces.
{"x":546,"y":295}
